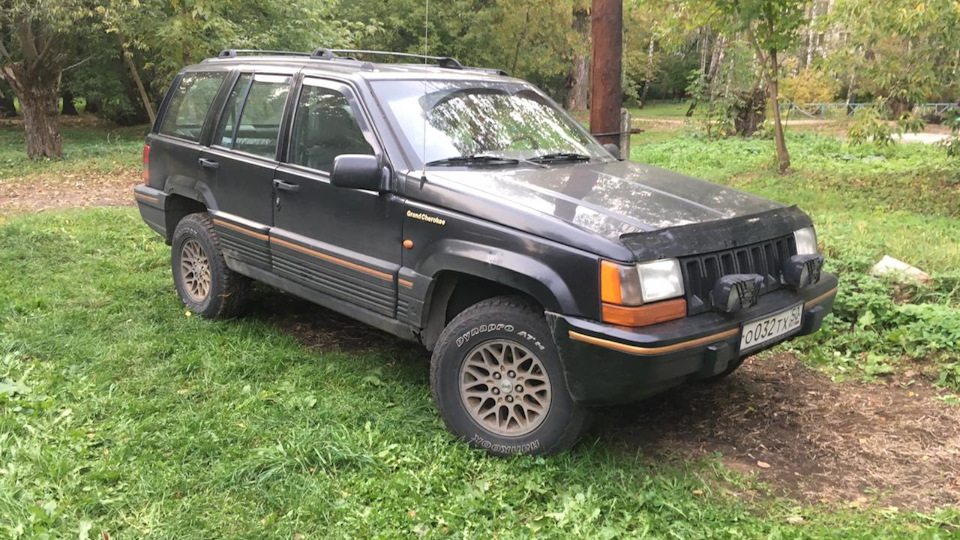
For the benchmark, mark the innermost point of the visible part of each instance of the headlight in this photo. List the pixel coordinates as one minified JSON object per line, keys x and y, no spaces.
{"x":660,"y":280}
{"x":619,"y":285}
{"x":630,"y":293}
{"x":806,"y":241}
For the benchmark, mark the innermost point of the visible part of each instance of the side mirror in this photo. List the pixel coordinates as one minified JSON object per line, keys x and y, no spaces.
{"x":357,"y":171}
{"x":613,"y":149}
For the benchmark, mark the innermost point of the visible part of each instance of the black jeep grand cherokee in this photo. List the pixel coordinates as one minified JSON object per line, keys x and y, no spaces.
{"x":465,"y":210}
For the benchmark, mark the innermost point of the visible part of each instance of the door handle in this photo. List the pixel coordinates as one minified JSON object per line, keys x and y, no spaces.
{"x":209,"y":163}
{"x":285,"y":186}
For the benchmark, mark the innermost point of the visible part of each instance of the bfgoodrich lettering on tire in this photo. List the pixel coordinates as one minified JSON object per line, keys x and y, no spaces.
{"x":498,"y":383}
{"x":204,"y":283}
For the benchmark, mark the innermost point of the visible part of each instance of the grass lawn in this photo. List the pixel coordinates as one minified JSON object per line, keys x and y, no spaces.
{"x":661,"y":109}
{"x":120,"y":412}
{"x":88,"y":146}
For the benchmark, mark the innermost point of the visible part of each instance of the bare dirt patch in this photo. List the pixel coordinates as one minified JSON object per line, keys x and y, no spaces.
{"x":43,"y":192}
{"x":888,"y":444}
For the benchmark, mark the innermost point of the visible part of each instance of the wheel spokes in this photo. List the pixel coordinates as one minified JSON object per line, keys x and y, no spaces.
{"x":504,"y":387}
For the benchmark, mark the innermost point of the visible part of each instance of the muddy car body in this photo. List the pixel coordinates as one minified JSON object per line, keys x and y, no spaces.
{"x":465,"y":210}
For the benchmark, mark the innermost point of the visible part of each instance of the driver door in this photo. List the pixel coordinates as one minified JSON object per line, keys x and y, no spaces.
{"x":343,"y":243}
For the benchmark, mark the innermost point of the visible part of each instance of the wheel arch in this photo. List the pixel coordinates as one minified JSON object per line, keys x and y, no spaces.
{"x":466,"y":273}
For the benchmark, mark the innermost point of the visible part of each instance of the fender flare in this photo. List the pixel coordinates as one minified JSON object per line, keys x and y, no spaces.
{"x":511,"y":269}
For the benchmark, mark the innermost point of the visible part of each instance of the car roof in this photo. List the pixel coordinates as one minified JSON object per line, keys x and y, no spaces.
{"x":353,"y":68}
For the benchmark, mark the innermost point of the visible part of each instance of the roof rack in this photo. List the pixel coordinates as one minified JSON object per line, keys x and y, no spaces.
{"x":233,"y":53}
{"x":322,"y":53}
{"x":330,"y":54}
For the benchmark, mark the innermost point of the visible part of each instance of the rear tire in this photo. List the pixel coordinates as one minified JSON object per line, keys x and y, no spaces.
{"x":498,"y":382}
{"x":205,"y":284}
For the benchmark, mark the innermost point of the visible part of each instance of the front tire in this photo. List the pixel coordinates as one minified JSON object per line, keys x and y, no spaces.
{"x":205,"y":284}
{"x":498,"y":382}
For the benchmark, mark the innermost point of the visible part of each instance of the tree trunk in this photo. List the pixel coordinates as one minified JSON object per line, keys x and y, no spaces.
{"x":128,"y":58}
{"x":649,"y":79}
{"x":703,"y":43}
{"x":38,"y":90}
{"x":783,"y":155}
{"x":578,"y":82}
{"x":7,"y":107}
{"x":69,"y":107}
{"x":92,"y":105}
{"x":716,"y":60}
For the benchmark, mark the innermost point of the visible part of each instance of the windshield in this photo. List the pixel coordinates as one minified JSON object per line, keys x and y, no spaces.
{"x":480,"y":118}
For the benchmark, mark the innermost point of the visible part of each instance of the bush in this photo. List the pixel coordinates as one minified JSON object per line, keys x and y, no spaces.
{"x":808,"y":86}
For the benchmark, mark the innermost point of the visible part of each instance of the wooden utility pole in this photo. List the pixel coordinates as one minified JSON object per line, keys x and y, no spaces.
{"x":606,"y":95}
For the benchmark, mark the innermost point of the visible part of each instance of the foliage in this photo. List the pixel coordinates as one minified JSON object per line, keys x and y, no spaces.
{"x":809,"y":86}
{"x":119,"y":413}
{"x":871,"y":125}
{"x":531,"y":39}
{"x":902,"y":50}
{"x":952,"y":120}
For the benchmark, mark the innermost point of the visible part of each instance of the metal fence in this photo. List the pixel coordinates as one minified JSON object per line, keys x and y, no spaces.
{"x":820,"y":110}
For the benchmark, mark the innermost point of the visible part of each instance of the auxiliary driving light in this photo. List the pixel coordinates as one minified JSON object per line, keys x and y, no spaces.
{"x":802,"y":270}
{"x":734,"y":292}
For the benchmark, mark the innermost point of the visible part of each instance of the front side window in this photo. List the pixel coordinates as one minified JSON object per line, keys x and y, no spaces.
{"x":189,"y":105}
{"x":325,"y":127}
{"x":260,"y":114}
{"x":443,"y":119}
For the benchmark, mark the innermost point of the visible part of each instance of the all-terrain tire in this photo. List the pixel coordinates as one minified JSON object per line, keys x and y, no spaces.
{"x":205,"y":284}
{"x":503,"y":345}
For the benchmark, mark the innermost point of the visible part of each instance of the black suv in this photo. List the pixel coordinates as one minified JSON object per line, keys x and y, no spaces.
{"x":465,"y":210}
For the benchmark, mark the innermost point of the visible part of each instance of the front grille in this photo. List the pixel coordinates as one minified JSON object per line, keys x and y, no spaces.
{"x":701,"y":272}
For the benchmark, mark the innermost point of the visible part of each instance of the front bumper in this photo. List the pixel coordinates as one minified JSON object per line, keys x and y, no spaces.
{"x":606,"y":364}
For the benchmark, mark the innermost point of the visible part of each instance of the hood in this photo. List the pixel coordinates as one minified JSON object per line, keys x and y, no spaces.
{"x":612,"y":198}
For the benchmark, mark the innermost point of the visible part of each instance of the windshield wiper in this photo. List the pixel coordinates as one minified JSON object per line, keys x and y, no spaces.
{"x":559,"y":156}
{"x":477,"y":159}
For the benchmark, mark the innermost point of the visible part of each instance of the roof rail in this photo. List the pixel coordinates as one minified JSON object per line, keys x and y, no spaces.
{"x":442,"y":61}
{"x":233,"y":53}
{"x":335,"y":54}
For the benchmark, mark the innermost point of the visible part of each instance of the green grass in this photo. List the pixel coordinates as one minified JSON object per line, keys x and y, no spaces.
{"x":93,"y":148}
{"x":903,"y":201}
{"x":661,"y":109}
{"x":118,"y":412}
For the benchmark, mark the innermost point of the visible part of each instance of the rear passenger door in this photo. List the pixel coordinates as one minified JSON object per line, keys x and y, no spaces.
{"x":175,"y":143}
{"x":239,"y":165}
{"x":343,"y":243}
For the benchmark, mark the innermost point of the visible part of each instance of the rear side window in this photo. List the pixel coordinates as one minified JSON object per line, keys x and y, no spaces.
{"x":231,"y":111}
{"x":258,"y":128}
{"x":189,"y":105}
{"x":325,"y":127}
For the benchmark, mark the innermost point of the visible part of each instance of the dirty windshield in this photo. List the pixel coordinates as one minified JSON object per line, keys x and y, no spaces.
{"x":444,"y":121}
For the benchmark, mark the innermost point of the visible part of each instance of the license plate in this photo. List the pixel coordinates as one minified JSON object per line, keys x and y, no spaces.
{"x":771,"y":328}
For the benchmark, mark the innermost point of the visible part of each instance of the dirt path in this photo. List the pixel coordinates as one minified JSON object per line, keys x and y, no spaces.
{"x":891,"y":444}
{"x":39,"y":193}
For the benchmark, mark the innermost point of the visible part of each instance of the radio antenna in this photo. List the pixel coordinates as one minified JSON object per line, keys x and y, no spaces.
{"x":426,"y":51}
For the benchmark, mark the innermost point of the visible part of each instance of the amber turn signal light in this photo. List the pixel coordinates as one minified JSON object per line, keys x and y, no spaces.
{"x":654,"y":313}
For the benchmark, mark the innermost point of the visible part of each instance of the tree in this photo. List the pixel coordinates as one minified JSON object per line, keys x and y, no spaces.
{"x":771,"y":27}
{"x":578,"y":81}
{"x":902,"y":51}
{"x":7,"y":108}
{"x":34,"y":36}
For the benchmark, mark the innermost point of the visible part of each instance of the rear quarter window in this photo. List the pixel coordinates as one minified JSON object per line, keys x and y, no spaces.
{"x":189,"y":105}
